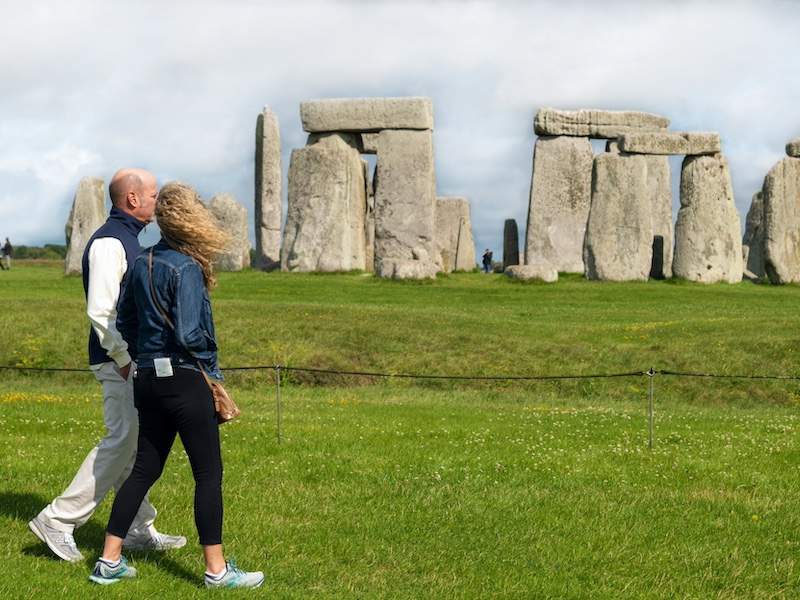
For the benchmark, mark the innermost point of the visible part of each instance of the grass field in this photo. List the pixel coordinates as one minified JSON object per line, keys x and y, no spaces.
{"x":406,"y":489}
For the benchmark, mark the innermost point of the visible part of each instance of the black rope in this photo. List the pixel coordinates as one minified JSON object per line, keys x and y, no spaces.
{"x":726,"y":376}
{"x":650,"y":372}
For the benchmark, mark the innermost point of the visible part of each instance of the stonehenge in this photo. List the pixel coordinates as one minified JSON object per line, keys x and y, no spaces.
{"x":607,"y":215}
{"x":510,"y":244}
{"x":88,"y":213}
{"x":268,"y":202}
{"x":708,"y":247}
{"x":232,"y":216}
{"x":454,"y":243}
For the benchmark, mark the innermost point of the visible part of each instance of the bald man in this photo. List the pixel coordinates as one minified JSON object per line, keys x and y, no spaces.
{"x":107,"y":259}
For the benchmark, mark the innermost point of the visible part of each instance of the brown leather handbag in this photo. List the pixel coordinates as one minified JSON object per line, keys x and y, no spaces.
{"x":226,"y":408}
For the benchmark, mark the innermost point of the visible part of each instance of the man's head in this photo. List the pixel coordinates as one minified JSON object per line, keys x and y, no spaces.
{"x":134,"y":191}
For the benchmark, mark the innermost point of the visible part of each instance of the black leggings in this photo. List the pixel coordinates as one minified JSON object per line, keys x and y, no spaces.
{"x":179,"y":404}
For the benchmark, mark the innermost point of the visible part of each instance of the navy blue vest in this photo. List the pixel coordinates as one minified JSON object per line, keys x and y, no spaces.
{"x":125,"y":228}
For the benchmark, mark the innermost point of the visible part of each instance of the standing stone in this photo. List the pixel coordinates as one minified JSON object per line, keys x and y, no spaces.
{"x":369,"y":220}
{"x":268,"y":203}
{"x":619,"y":233}
{"x":753,"y":241}
{"x":327,"y":206}
{"x":561,"y":189}
{"x":510,"y":244}
{"x":232,"y":216}
{"x":454,"y":242}
{"x":782,"y":221}
{"x":405,"y":211}
{"x":87,"y":215}
{"x":659,"y":191}
{"x":708,"y":243}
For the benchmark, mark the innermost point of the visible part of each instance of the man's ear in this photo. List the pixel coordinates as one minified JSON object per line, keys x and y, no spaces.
{"x":132,"y":200}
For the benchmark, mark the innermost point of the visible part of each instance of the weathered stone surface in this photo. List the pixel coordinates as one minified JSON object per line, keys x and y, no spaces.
{"x":327,"y":205}
{"x":366,"y":114}
{"x":510,"y":243}
{"x":369,"y":220}
{"x":670,"y":142}
{"x":87,"y":215}
{"x":708,"y":243}
{"x":539,"y":271}
{"x":454,"y":241}
{"x":782,"y":221}
{"x":369,"y":143}
{"x":659,"y":192}
{"x":232,"y":216}
{"x":594,"y":123}
{"x":561,"y":189}
{"x":619,"y":232}
{"x":753,"y":241}
{"x":793,"y":148}
{"x":405,"y":197}
{"x":268,"y":202}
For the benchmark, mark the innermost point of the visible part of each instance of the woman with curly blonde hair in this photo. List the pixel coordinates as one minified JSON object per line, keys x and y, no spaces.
{"x":165,"y":316}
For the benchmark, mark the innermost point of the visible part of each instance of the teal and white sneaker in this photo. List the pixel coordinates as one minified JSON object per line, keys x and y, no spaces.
{"x":234,"y":577}
{"x":105,"y":574}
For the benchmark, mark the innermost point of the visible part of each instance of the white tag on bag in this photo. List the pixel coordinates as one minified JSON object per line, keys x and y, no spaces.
{"x":163,"y":367}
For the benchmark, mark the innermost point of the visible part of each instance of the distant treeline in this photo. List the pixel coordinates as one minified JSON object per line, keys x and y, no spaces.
{"x":48,"y":251}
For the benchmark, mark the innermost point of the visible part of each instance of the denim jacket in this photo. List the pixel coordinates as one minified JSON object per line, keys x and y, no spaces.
{"x":178,"y":281}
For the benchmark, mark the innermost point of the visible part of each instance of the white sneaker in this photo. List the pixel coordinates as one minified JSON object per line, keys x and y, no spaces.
{"x":234,"y":577}
{"x":61,"y":543}
{"x":150,"y":539}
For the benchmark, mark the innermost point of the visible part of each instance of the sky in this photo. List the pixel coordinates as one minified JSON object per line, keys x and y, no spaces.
{"x":91,"y":86}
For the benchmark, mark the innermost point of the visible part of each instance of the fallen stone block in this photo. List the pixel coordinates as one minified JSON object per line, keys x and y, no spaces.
{"x":668,"y":142}
{"x":537,"y":271}
{"x":594,"y":123}
{"x":366,"y":114}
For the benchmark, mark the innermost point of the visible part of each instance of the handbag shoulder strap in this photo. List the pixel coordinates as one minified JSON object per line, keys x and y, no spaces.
{"x":156,"y":303}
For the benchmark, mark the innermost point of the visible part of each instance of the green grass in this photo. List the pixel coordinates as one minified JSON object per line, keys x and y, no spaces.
{"x":444,"y":490}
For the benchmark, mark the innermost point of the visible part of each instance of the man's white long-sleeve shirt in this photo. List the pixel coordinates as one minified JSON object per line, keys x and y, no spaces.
{"x":107,"y":267}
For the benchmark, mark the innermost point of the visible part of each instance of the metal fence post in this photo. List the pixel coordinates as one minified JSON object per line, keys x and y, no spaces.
{"x":651,"y":374}
{"x":278,"y":399}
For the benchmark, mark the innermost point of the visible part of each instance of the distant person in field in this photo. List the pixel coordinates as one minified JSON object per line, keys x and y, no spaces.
{"x":8,"y":253}
{"x":165,"y":315}
{"x":107,"y":260}
{"x":487,"y":261}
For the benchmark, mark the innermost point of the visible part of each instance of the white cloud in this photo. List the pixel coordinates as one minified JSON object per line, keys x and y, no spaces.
{"x":176,"y":87}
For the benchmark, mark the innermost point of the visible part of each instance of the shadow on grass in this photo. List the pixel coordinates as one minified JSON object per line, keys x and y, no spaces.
{"x":25,"y":506}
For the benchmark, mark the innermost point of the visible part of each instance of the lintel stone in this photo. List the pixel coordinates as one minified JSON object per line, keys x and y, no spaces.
{"x":366,"y":114}
{"x":602,"y":124}
{"x":670,"y":142}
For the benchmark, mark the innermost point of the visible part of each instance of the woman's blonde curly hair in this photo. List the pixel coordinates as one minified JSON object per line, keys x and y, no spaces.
{"x":188,"y":227}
